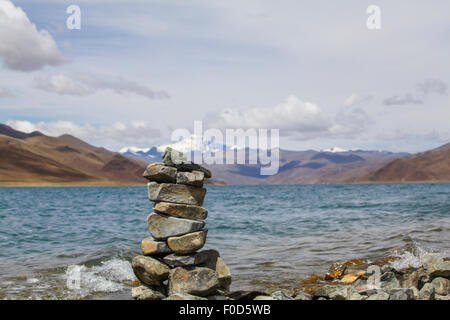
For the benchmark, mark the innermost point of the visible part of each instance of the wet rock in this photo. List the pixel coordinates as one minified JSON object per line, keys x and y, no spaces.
{"x":162,"y":227}
{"x":280,"y":295}
{"x":265,"y":298}
{"x":185,"y":260}
{"x":401,"y":294}
{"x":441,"y":286}
{"x":160,"y":173}
{"x":216,"y":263}
{"x":176,"y":193}
{"x":415,"y":293}
{"x":194,"y":178}
{"x":351,"y":277}
{"x":389,"y":281}
{"x":187,"y":243}
{"x":411,"y":280}
{"x":427,"y":292}
{"x":326,"y":291}
{"x":184,"y":296}
{"x":196,"y":281}
{"x":181,"y":210}
{"x":380,"y":295}
{"x":336,"y":270}
{"x":146,"y":293}
{"x":345,"y":294}
{"x":150,"y":246}
{"x":245,"y":295}
{"x":435,"y":265}
{"x":302,"y":296}
{"x":149,"y":270}
{"x":177,"y":159}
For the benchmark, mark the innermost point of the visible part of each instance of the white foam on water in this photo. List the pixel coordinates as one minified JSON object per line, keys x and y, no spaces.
{"x":409,"y":259}
{"x":110,"y":276}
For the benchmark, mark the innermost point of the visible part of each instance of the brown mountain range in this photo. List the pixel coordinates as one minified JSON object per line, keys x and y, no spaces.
{"x":36,"y":159}
{"x":429,"y":166}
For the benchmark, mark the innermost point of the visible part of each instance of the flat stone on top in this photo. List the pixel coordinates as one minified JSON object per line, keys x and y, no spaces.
{"x":174,"y":158}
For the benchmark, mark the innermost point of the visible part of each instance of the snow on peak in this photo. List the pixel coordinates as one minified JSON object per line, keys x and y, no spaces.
{"x":134,"y":150}
{"x":334,"y":149}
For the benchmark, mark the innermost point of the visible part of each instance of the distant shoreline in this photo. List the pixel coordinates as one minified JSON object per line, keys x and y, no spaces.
{"x":69,"y":184}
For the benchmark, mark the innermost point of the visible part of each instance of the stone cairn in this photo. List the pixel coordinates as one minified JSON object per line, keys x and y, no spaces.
{"x":171,"y":267}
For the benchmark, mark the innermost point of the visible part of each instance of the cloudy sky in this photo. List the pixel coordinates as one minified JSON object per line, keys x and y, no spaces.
{"x":137,"y":70}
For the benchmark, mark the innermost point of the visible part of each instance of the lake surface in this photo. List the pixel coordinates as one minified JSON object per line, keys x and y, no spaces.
{"x":268,"y":235}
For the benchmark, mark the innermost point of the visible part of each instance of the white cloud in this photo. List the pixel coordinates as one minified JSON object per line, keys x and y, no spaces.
{"x":112,"y":136}
{"x":294,"y":117}
{"x":291,"y":115}
{"x":85,"y":84}
{"x":355,"y":99}
{"x":22,"y":46}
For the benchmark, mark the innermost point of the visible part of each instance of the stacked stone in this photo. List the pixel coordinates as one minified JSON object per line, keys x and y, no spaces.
{"x":171,"y":265}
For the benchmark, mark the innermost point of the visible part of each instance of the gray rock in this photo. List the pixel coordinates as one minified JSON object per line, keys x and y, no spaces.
{"x":196,"y":281}
{"x":187,"y":243}
{"x":176,"y":193}
{"x":194,"y":178}
{"x":245,"y":294}
{"x":401,"y":294}
{"x":177,"y":159}
{"x":441,"y":286}
{"x":185,"y":260}
{"x":280,"y":295}
{"x":149,"y":270}
{"x":427,"y":292}
{"x":302,"y":296}
{"x":440,"y":297}
{"x":150,"y":246}
{"x":146,"y":293}
{"x":264,"y":298}
{"x":415,"y":293}
{"x":435,"y":265}
{"x":160,"y":173}
{"x":326,"y":291}
{"x":184,"y":296}
{"x":216,"y":263}
{"x":389,"y":281}
{"x":162,"y":227}
{"x":411,"y":280}
{"x":380,"y":295}
{"x":347,"y":293}
{"x":181,"y":210}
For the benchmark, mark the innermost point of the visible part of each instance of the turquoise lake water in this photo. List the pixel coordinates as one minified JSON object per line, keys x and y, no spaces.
{"x":266,"y":234}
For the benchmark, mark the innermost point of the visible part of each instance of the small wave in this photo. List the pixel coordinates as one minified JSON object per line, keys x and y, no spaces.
{"x":110,"y":276}
{"x":410,"y":257}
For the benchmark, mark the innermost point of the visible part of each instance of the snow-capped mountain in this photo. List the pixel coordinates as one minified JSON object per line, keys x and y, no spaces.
{"x":146,"y":154}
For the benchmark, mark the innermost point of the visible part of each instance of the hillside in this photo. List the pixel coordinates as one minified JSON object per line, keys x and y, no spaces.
{"x":36,"y":159}
{"x":429,"y":166}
